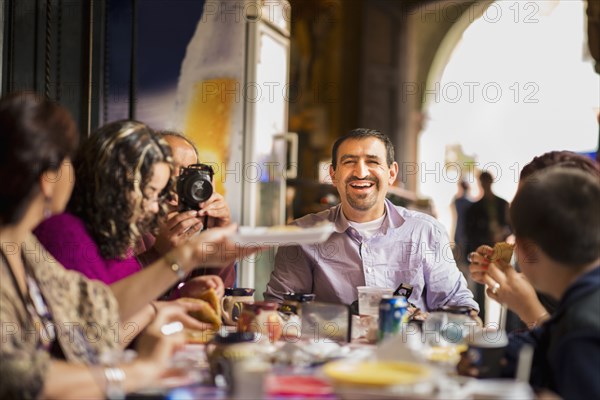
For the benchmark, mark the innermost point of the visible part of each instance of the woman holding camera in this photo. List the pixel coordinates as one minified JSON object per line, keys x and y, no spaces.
{"x":57,"y":324}
{"x":122,"y":171}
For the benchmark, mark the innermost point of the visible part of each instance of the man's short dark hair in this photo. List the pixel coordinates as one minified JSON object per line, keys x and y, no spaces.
{"x":559,"y":210}
{"x":363,"y":133}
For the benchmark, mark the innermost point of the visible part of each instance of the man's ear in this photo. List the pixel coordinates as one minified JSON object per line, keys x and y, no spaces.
{"x":332,"y":174}
{"x":393,"y":173}
{"x":527,"y":251}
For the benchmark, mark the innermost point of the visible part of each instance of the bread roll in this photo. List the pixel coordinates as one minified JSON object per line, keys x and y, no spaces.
{"x":198,"y":337}
{"x":210,"y":296}
{"x":503,"y":251}
{"x":206,"y":313}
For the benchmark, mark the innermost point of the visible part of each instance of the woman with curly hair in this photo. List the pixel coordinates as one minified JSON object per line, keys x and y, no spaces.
{"x":122,"y":171}
{"x":57,"y":325}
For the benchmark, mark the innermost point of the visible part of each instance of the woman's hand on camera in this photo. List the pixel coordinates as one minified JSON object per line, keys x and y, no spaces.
{"x":177,"y":229}
{"x":217,"y":210}
{"x":181,"y":226}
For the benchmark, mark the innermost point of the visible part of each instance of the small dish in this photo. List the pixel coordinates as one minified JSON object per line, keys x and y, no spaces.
{"x":298,"y":386}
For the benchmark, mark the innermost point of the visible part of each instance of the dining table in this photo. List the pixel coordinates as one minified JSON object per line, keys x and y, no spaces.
{"x":296,"y":367}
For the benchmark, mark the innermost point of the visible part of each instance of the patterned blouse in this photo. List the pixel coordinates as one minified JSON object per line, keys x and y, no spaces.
{"x":84,"y":313}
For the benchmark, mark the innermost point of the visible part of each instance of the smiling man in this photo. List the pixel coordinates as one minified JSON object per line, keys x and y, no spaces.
{"x":374,"y":242}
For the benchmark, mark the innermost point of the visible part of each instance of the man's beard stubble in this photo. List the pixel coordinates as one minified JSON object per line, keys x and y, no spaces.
{"x":362,"y":202}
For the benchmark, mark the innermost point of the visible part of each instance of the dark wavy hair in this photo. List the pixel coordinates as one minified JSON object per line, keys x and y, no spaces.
{"x":113,"y":168}
{"x":566,"y":159}
{"x":364,"y":133}
{"x":36,"y":136}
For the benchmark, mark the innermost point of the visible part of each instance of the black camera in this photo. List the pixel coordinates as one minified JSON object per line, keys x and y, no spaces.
{"x":194,"y":185}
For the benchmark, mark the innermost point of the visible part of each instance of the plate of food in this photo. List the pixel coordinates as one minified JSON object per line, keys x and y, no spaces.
{"x":380,"y":379}
{"x":282,"y":235}
{"x":377,"y":373}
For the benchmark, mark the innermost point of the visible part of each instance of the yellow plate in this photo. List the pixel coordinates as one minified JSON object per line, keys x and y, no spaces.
{"x":376,"y":373}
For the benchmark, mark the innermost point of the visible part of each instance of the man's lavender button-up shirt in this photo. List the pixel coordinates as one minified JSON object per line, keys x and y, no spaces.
{"x":410,"y":247}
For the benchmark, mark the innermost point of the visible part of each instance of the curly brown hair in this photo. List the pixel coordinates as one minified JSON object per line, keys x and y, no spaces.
{"x":112,"y":169}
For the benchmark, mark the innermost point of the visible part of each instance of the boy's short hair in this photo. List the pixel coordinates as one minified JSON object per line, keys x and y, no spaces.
{"x":559,"y":210}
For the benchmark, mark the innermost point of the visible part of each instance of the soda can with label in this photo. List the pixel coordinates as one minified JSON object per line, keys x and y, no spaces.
{"x":392,"y":312}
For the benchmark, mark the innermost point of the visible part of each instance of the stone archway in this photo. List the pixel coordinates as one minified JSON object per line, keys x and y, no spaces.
{"x":433,"y":28}
{"x":512,"y":90}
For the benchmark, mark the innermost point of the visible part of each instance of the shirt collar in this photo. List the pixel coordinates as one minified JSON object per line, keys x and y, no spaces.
{"x":393,"y":218}
{"x":585,"y":284}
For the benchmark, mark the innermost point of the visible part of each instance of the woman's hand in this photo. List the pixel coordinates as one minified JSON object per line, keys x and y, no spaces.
{"x":176,"y":230}
{"x":195,"y":286}
{"x":511,"y":288}
{"x":505,"y":285}
{"x":479,"y":262}
{"x":156,"y":347}
{"x":180,"y":310}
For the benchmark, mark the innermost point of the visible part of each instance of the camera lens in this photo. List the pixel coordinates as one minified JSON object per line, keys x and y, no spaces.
{"x":198,"y":189}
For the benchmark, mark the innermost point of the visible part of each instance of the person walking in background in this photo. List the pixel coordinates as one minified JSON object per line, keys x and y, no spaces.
{"x":461,"y":204}
{"x":486,"y":222}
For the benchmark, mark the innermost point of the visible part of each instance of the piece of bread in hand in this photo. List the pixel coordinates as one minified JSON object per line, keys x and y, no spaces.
{"x":503,"y":251}
{"x":193,"y":336}
{"x":210,"y":296}
{"x":205,"y":313}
